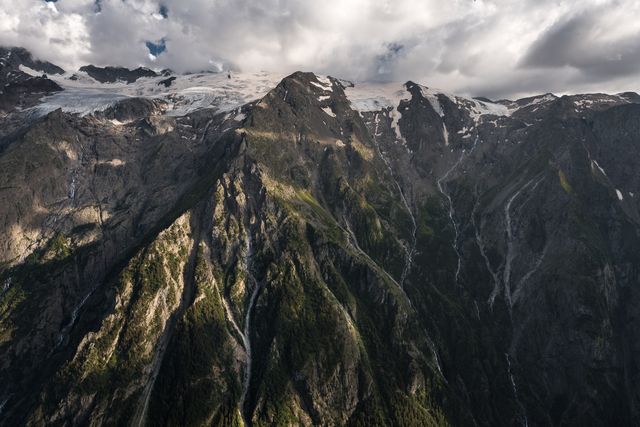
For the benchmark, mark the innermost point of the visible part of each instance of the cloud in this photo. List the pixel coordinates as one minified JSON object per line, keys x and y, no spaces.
{"x":496,"y":48}
{"x":59,"y":36}
{"x":582,"y":42}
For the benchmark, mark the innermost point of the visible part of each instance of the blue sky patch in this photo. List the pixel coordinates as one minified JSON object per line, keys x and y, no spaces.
{"x":164,"y":11}
{"x":156,"y":48}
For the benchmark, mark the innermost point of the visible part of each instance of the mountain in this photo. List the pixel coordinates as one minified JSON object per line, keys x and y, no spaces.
{"x":23,"y":79}
{"x":15,"y":57}
{"x":305,"y":251}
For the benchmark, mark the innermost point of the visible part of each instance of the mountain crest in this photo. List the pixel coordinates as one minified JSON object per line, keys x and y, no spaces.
{"x":114,"y":74}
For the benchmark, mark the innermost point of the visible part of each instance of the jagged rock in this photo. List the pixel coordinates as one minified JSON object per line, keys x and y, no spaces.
{"x":167,"y":82}
{"x":114,"y":74}
{"x":14,"y":57}
{"x":19,"y":89}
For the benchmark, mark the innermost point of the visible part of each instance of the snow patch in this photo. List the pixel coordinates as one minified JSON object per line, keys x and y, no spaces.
{"x":538,"y":101}
{"x":395,"y":124}
{"x":476,"y":108}
{"x":583,"y":102}
{"x":480,"y":108}
{"x":328,"y":111}
{"x":318,"y":85}
{"x":113,"y":162}
{"x":445,"y":134}
{"x":369,"y":97}
{"x":619,"y":193}
{"x":325,"y":81}
{"x":432,"y":97}
{"x":595,"y":163}
{"x":78,"y":101}
{"x":29,"y":71}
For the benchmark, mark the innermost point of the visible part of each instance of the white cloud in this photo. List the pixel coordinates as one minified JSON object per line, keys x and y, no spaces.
{"x":473,"y":47}
{"x":45,"y":29}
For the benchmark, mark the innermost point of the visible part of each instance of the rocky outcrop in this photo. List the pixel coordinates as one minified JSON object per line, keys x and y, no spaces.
{"x":114,"y":74}
{"x":20,"y":89}
{"x":16,"y":56}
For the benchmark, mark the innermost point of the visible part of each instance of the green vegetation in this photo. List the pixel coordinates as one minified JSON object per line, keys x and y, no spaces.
{"x":9,"y":300}
{"x":409,"y":410}
{"x":147,"y":290}
{"x":58,"y":248}
{"x":28,"y":281}
{"x":331,"y":228}
{"x":197,"y":381}
{"x":564,"y":182}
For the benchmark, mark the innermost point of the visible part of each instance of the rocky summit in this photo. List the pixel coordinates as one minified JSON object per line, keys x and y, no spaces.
{"x":246,"y":249}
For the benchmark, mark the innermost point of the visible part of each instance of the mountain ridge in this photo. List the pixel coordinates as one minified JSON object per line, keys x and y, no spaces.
{"x":322,"y":255}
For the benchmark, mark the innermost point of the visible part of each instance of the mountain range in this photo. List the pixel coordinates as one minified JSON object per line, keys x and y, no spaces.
{"x":250,"y":249}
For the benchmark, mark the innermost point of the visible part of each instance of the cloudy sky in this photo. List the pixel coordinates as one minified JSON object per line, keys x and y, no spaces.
{"x":495,"y":48}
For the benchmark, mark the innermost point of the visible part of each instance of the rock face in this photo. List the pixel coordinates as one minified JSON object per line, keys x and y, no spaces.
{"x":114,"y":74}
{"x":329,"y":254}
{"x":20,"y":89}
{"x":16,"y":56}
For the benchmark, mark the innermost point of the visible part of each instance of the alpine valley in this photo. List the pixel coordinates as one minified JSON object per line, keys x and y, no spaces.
{"x":246,"y":249}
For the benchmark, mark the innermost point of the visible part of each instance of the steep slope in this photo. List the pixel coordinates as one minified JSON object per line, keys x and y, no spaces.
{"x":326,"y":255}
{"x":257,"y":259}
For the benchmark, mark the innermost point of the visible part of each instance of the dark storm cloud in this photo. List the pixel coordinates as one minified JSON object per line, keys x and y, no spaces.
{"x":577,"y":42}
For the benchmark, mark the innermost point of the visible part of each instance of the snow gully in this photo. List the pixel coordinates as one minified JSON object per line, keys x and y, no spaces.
{"x":414,"y":227}
{"x":442,"y":189}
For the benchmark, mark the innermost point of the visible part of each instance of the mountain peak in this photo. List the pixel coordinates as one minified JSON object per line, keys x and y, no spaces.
{"x":14,"y":57}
